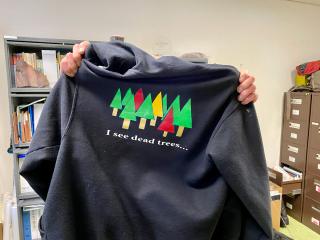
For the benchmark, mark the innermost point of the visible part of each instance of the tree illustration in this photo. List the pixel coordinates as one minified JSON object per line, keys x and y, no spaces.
{"x":128,"y":113}
{"x":164,"y":105}
{"x":116,"y":103}
{"x":157,"y":109}
{"x":138,"y":98}
{"x":167,"y":124}
{"x":183,"y":118}
{"x":127,"y":96}
{"x":145,"y":111}
{"x":175,"y":105}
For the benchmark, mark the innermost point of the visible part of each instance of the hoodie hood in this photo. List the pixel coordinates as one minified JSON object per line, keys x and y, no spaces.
{"x":124,"y":60}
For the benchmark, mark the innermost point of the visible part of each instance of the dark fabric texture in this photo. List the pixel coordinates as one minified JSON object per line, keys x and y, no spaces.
{"x":210,"y":182}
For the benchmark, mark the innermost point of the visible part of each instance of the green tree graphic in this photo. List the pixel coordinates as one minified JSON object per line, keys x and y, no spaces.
{"x":164,"y":104}
{"x":145,"y":111}
{"x":116,"y":103}
{"x":183,"y":118}
{"x":127,"y":96}
{"x":128,"y":113}
{"x":175,"y":105}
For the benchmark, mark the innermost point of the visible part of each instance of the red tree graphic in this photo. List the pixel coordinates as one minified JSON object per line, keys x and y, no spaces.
{"x":167,"y":124}
{"x":138,"y":98}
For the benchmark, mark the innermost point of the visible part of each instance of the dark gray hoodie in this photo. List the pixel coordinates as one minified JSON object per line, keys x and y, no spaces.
{"x":134,"y":148}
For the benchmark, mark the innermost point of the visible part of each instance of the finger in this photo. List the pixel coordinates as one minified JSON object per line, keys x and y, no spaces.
{"x":64,"y":67}
{"x":246,"y":84}
{"x":244,"y":74}
{"x":83,"y":46}
{"x":251,"y":98}
{"x":245,"y":93}
{"x":76,"y":55}
{"x":72,"y":66}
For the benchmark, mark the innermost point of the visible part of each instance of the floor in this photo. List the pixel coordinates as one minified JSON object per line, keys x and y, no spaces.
{"x":298,"y":231}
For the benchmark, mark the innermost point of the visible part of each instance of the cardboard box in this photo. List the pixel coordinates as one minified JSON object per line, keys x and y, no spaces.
{"x":1,"y":231}
{"x":275,"y":192}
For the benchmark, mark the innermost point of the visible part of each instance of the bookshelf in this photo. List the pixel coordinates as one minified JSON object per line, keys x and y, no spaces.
{"x":24,"y":95}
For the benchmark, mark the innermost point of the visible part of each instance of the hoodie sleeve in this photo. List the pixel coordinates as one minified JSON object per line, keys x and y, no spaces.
{"x":236,"y":149}
{"x":39,"y":163}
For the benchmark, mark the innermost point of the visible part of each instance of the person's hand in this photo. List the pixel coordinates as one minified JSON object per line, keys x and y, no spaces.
{"x":246,"y":88}
{"x":71,"y":62}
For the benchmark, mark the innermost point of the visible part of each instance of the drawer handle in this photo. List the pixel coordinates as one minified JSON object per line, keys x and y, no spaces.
{"x":295,"y":112}
{"x":296,"y":192}
{"x":292,"y":159}
{"x":272,"y":175}
{"x":316,"y":182}
{"x":316,"y":209}
{"x":294,"y":135}
{"x":294,"y":125}
{"x":297,"y":101}
{"x":293,"y":149}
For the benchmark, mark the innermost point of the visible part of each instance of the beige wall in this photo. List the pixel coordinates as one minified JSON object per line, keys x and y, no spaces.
{"x":267,"y":37}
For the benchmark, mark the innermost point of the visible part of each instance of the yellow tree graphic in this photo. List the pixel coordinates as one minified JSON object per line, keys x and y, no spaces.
{"x":157,"y":109}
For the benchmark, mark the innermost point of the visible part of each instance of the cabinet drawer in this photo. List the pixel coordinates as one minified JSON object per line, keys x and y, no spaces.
{"x":288,"y":187}
{"x":311,"y":214}
{"x":315,"y":107}
{"x":313,"y":161}
{"x":293,"y":206}
{"x":299,"y":107}
{"x":295,"y":132}
{"x":294,"y":155}
{"x":314,"y":134}
{"x":312,"y":187}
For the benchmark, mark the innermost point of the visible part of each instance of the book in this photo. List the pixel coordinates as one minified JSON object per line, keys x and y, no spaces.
{"x":26,"y":225}
{"x":24,"y":185}
{"x":31,"y":216}
{"x":29,"y":71}
{"x":37,"y":109}
{"x":26,"y":73}
{"x":25,"y":120}
{"x":15,"y":128}
{"x":34,"y":219}
{"x":50,"y":66}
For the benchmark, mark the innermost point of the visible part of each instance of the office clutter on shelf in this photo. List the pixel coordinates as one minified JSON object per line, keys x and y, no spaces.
{"x":36,"y":69}
{"x":25,"y":120}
